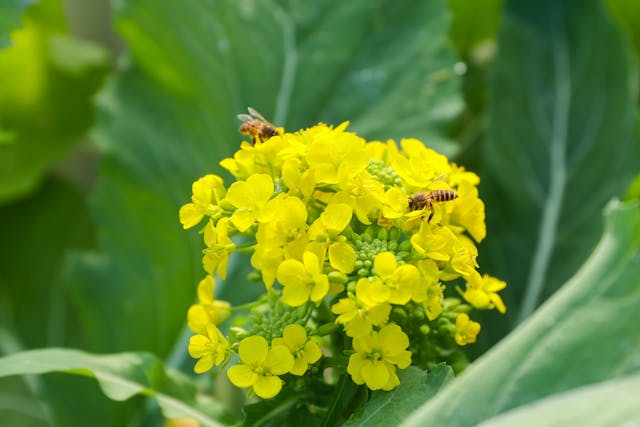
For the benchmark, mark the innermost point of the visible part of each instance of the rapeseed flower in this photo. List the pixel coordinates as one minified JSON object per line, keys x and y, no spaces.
{"x":377,"y":356}
{"x":260,"y":366}
{"x":343,"y":256}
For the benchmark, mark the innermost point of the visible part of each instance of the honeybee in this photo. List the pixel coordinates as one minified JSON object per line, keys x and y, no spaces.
{"x":256,"y":126}
{"x":425,"y":199}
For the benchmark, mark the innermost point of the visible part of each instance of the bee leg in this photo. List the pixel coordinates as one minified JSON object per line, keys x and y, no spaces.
{"x":430,"y":216}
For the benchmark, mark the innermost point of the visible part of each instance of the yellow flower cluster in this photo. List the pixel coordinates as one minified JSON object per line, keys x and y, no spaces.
{"x":367,"y":233}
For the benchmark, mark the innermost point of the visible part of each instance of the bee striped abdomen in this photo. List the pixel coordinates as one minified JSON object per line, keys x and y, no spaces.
{"x":443,"y":195}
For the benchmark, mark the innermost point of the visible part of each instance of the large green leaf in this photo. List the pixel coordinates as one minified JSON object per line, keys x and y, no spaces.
{"x":560,"y":142}
{"x":474,"y":23}
{"x":610,"y":403}
{"x":47,"y":80}
{"x":10,"y":11}
{"x":120,"y":377}
{"x":36,"y":306}
{"x":586,"y":333}
{"x":170,"y":117}
{"x":35,"y":309}
{"x":627,"y":13}
{"x":390,"y":408}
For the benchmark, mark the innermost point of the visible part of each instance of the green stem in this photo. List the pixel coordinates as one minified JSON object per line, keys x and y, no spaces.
{"x":248,"y":305}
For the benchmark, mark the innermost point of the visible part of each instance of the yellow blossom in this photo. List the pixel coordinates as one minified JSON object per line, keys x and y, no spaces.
{"x":482,"y":292}
{"x":211,"y":348}
{"x":219,"y":246}
{"x":207,"y":193}
{"x":419,"y":166}
{"x":249,"y":197}
{"x":208,"y":310}
{"x":377,"y":356}
{"x":283,"y":236}
{"x":332,"y":221}
{"x":302,"y":281}
{"x":304,"y":350}
{"x":335,"y":155}
{"x":434,"y":241}
{"x":467,"y":211}
{"x":360,"y":312}
{"x":260,"y":366}
{"x":466,"y":330}
{"x":400,"y":281}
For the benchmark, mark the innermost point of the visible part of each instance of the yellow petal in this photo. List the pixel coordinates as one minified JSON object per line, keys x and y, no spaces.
{"x":242,"y":376}
{"x":375,"y":375}
{"x":206,"y":289}
{"x":295,"y":336}
{"x":190,"y":215}
{"x":253,"y":349}
{"x":295,"y":294}
{"x":336,"y":217}
{"x":243,"y":219}
{"x":267,"y":387}
{"x":312,"y":351}
{"x":279,"y":360}
{"x":385,"y":264}
{"x":299,"y":367}
{"x":290,"y":272}
{"x":204,"y":364}
{"x":320,"y":289}
{"x":342,"y":256}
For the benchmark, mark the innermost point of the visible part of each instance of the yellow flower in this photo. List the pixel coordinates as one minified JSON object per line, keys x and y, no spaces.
{"x":336,"y":156}
{"x":419,"y":166}
{"x":394,"y":203}
{"x":283,"y":236}
{"x":363,"y":194}
{"x":466,"y":329}
{"x":303,"y":281}
{"x":482,"y":291}
{"x":211,"y":348}
{"x":331,"y":222}
{"x":208,"y":310}
{"x":360,"y":312}
{"x":207,"y":193}
{"x":434,"y":241}
{"x":400,"y":281}
{"x":429,"y":291}
{"x":298,"y":182}
{"x":463,"y":263}
{"x":468,"y":211}
{"x":342,"y":257}
{"x":260,"y":366}
{"x":377,"y":356}
{"x":242,"y":165}
{"x":219,"y":246}
{"x":249,"y":197}
{"x":304,"y":350}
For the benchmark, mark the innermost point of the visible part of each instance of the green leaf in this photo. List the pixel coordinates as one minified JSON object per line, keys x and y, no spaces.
{"x":120,"y":377}
{"x":48,"y":80}
{"x":390,"y":407}
{"x":585,"y":333}
{"x":609,"y":403}
{"x":561,"y":142}
{"x":35,"y":304}
{"x":474,"y":23}
{"x":10,"y":11}
{"x":627,"y":14}
{"x":171,"y":117}
{"x":36,"y":311}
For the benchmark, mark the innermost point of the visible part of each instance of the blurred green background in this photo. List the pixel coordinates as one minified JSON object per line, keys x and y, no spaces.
{"x":110,"y":110}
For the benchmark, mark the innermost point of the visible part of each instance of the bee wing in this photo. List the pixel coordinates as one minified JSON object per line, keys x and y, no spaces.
{"x":244,"y":117}
{"x":257,"y":115}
